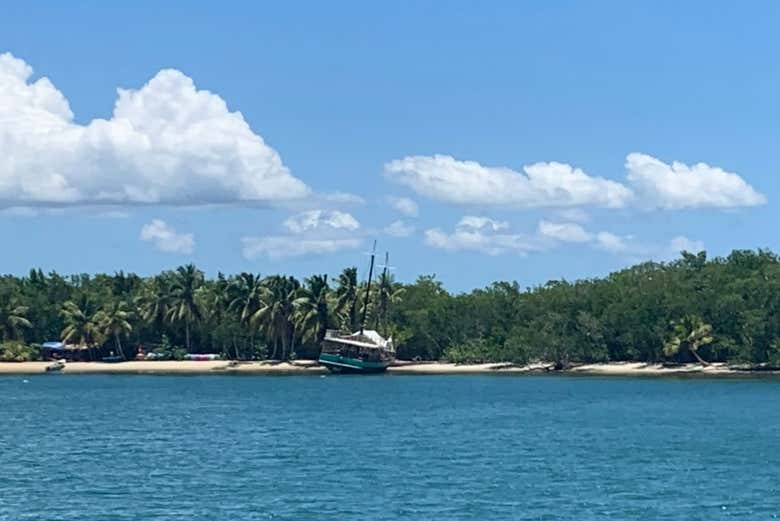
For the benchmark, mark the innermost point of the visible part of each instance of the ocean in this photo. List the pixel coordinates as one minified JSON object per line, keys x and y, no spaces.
{"x":110,"y":447}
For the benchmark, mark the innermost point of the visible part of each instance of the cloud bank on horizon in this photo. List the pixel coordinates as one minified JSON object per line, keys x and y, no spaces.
{"x":166,"y":143}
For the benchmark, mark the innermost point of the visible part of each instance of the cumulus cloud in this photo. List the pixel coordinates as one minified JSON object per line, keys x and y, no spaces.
{"x":281,"y":247}
{"x":682,"y":243}
{"x":166,"y":143}
{"x":565,"y":232}
{"x":463,"y":239}
{"x":494,"y":238}
{"x":552,"y":184}
{"x":313,"y":232}
{"x":650,"y":183}
{"x":636,"y":251}
{"x":577,"y":215}
{"x":485,"y":235}
{"x":612,"y":243}
{"x":679,"y":185}
{"x":318,"y":219}
{"x":399,"y":229}
{"x":166,"y":239}
{"x":477,"y":223}
{"x":405,"y":206}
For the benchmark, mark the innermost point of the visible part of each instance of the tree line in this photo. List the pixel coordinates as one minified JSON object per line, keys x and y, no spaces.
{"x":724,"y":309}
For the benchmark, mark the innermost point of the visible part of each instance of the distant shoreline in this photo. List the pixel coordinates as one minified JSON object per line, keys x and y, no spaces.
{"x":310,"y":367}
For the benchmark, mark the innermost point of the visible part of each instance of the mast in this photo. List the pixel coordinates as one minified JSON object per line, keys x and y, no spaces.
{"x":382,"y":281}
{"x":368,"y":289}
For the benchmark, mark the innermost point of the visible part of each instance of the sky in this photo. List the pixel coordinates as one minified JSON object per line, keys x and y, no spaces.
{"x":511,"y":140}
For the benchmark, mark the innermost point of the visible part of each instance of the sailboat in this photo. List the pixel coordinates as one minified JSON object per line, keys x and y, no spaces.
{"x":364,"y":351}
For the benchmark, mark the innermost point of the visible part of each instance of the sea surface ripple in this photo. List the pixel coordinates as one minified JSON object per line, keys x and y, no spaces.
{"x":387,"y":448}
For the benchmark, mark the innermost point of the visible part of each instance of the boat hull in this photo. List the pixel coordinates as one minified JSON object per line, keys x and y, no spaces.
{"x":343,"y":364}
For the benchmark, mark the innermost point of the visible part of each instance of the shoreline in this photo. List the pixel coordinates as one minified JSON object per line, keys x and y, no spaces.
{"x":310,"y":367}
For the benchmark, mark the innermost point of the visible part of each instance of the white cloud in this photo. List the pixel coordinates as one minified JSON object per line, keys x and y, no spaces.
{"x":565,"y":232}
{"x":313,"y":232}
{"x":405,"y":206}
{"x":114,"y":214}
{"x":679,"y":186}
{"x":577,"y":215}
{"x":105,"y":212}
{"x":19,"y":211}
{"x":628,"y":246}
{"x":682,"y":243}
{"x":282,"y":247}
{"x":340,"y":198}
{"x":497,"y":240}
{"x":318,"y":219}
{"x":482,"y":234}
{"x":166,"y":239}
{"x":612,"y":243}
{"x":477,"y":223}
{"x":399,"y":229}
{"x":166,"y":143}
{"x":541,"y":185}
{"x":492,"y":237}
{"x":486,"y":242}
{"x":651,"y":183}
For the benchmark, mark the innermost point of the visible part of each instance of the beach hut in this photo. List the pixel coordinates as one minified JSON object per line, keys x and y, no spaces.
{"x":53,"y":350}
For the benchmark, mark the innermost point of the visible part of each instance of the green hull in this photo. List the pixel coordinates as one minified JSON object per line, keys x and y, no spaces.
{"x":343,"y":364}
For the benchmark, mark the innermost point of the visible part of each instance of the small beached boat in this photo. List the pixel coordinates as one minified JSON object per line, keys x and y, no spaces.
{"x":56,"y":366}
{"x":364,"y":351}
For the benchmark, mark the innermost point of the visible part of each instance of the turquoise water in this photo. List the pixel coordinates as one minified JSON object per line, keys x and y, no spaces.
{"x":387,"y":447}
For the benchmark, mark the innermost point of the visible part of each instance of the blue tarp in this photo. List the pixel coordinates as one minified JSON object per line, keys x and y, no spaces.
{"x":53,"y":345}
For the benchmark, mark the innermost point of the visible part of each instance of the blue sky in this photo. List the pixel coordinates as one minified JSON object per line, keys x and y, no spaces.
{"x":496,"y":137}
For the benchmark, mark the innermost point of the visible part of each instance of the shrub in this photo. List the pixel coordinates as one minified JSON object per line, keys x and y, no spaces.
{"x":474,"y":351}
{"x":17,"y":352}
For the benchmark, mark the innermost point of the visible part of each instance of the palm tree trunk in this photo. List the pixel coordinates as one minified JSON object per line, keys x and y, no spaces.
{"x":187,"y":334}
{"x":695,"y":354}
{"x":292,"y":341}
{"x":119,"y":346}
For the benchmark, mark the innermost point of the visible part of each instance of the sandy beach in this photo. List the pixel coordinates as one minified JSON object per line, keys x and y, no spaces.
{"x":168,"y":367}
{"x":310,"y":367}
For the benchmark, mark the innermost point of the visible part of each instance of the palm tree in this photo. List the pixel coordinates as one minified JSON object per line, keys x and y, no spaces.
{"x":184,"y":306}
{"x":346,"y":299}
{"x":387,"y":293}
{"x":81,"y":324}
{"x":689,"y":334}
{"x":311,"y":308}
{"x":154,"y":302}
{"x":217,"y":299}
{"x":246,"y":293}
{"x":115,"y":322}
{"x":275,"y":316}
{"x":13,"y":319}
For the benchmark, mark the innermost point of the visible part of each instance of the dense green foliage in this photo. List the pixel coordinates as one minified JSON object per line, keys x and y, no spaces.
{"x":723,"y":309}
